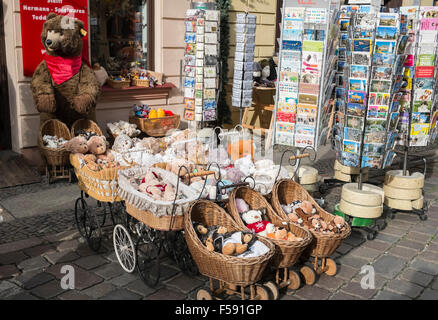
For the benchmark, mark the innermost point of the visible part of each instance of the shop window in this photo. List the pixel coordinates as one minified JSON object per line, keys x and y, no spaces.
{"x":121,"y":34}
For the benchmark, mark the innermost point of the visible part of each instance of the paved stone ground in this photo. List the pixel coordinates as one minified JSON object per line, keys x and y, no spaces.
{"x":33,"y":250}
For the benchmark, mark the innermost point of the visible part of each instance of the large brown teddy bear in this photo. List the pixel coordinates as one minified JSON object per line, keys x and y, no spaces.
{"x":64,"y":87}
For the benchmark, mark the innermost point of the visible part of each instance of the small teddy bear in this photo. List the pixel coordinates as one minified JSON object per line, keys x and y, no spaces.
{"x":254,"y":222}
{"x":78,"y":146}
{"x":97,"y":147}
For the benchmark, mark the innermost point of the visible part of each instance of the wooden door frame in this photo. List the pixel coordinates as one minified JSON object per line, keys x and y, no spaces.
{"x":5,"y":117}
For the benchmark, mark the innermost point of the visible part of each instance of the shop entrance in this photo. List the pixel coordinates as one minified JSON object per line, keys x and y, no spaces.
{"x":5,"y":122}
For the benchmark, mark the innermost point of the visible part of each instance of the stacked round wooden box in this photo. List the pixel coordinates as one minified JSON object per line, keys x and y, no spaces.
{"x":403,"y":192}
{"x":349,"y":174}
{"x":362,"y":203}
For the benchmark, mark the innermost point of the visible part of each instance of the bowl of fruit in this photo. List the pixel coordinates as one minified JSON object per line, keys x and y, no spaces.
{"x":155,"y":122}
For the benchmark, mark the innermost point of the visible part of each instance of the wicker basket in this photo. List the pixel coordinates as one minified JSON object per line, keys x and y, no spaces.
{"x":237,"y":271}
{"x":101,"y":185}
{"x":140,"y":83}
{"x":119,"y":84}
{"x":53,"y":127}
{"x":86,"y":125}
{"x":163,"y":223}
{"x":323,"y":245}
{"x":156,"y":127}
{"x":287,"y":252}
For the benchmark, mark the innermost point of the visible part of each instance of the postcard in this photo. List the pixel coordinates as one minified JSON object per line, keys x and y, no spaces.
{"x":354,"y":122}
{"x":381,"y":73}
{"x":189,"y":82}
{"x":303,"y":141}
{"x":304,"y":130}
{"x":209,"y":104}
{"x":189,"y":104}
{"x":424,"y":83}
{"x":190,"y":49}
{"x":285,"y":138}
{"x":306,"y":119}
{"x":383,"y":60}
{"x":373,"y":149}
{"x":189,"y":115}
{"x":289,"y":76}
{"x":366,"y":20}
{"x":292,"y":45}
{"x":423,"y":94}
{"x":361,"y":58}
{"x":385,"y":46}
{"x":189,"y":71}
{"x":375,"y":137}
{"x":355,"y":109}
{"x":309,"y":78}
{"x":357,"y":97}
{"x":382,"y":86}
{"x":295,"y":35}
{"x":380,"y":99}
{"x":308,"y":88}
{"x":420,"y":117}
{"x":357,"y":84}
{"x":311,"y":62}
{"x":209,"y":94}
{"x":211,"y":26}
{"x":190,"y":37}
{"x":362,"y":45}
{"x":190,"y":60}
{"x":313,"y":46}
{"x":209,"y":115}
{"x":306,"y":109}
{"x":352,"y":134}
{"x":308,"y":99}
{"x":375,"y":125}
{"x":386,"y":33}
{"x":351,"y":146}
{"x":425,"y":72}
{"x":211,"y":15}
{"x":211,"y":38}
{"x":388,"y":19}
{"x":189,"y":93}
{"x":358,"y":71}
{"x":285,"y":116}
{"x":422,"y":106}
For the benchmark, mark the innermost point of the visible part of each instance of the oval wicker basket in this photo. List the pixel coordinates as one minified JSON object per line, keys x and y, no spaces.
{"x":156,"y":127}
{"x":101,"y":185}
{"x":86,"y":125}
{"x":163,"y":223}
{"x":140,"y":83}
{"x":119,"y":84}
{"x":54,"y":127}
{"x":287,"y":252}
{"x":234,"y":270}
{"x":323,"y":245}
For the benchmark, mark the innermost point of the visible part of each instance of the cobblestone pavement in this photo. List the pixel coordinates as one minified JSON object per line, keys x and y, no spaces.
{"x":33,"y":250}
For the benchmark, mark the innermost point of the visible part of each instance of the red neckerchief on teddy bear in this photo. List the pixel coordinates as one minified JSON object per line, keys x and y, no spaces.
{"x":258,"y":226}
{"x":62,"y":69}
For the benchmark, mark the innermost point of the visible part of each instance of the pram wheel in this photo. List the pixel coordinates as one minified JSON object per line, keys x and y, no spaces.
{"x":295,"y":280}
{"x":148,"y":260}
{"x":124,"y":248}
{"x":93,"y":232}
{"x":261,"y":292}
{"x":182,"y":256}
{"x":203,"y":295}
{"x":308,"y":274}
{"x":81,"y":208}
{"x":331,"y":267}
{"x":273,"y":288}
{"x":117,"y":213}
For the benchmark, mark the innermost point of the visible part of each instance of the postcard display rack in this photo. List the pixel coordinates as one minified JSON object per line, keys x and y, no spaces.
{"x":373,"y":77}
{"x":201,"y":61}
{"x":244,"y":61}
{"x":306,"y":54}
{"x":417,"y":125}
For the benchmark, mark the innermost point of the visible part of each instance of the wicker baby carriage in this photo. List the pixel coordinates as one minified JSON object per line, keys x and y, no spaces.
{"x":229,"y":270}
{"x":287,"y":252}
{"x":56,"y":159}
{"x":86,"y":125}
{"x":159,"y":215}
{"x":323,"y":245}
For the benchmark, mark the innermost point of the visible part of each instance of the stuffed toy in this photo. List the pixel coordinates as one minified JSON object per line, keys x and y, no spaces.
{"x":233,"y":174}
{"x":53,"y":142}
{"x":63,"y":86}
{"x":122,"y":143}
{"x":218,"y":239}
{"x":241,"y":205}
{"x":97,"y":147}
{"x":155,"y":187}
{"x":254,"y":222}
{"x":78,"y":146}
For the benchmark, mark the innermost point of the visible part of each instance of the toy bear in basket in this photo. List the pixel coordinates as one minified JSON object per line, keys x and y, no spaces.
{"x":255,"y":222}
{"x":242,"y":244}
{"x":92,"y":153}
{"x":158,"y":188}
{"x":304,"y":214}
